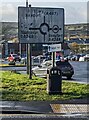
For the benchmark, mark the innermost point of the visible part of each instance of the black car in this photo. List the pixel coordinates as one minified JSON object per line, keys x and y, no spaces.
{"x":66,"y":68}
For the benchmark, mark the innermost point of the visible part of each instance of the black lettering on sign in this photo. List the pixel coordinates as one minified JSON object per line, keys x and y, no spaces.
{"x":40,"y":12}
{"x":31,"y":36}
{"x":24,"y":36}
{"x":49,"y":13}
{"x":54,"y":39}
{"x":54,"y":35}
{"x":49,"y":39}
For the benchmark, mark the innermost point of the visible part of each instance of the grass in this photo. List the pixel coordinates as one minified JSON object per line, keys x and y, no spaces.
{"x":19,"y":87}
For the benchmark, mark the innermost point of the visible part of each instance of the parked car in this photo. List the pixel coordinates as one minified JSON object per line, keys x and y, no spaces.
{"x":16,"y":57}
{"x":86,"y":57}
{"x":13,"y":58}
{"x":65,"y":66}
{"x":81,"y":59}
{"x":78,"y":56}
{"x":36,"y":60}
{"x":73,"y":58}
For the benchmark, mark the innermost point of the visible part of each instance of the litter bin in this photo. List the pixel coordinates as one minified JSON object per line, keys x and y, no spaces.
{"x":54,"y":81}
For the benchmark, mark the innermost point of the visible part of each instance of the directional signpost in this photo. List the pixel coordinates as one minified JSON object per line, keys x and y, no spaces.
{"x":40,"y":25}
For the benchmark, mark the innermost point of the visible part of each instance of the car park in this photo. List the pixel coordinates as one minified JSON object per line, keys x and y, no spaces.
{"x":65,"y":66}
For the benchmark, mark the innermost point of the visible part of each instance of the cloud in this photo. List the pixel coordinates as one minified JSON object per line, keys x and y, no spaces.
{"x":75,"y":12}
{"x":9,"y":12}
{"x":8,"y":9}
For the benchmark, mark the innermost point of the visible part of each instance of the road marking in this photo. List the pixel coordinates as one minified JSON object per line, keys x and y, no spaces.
{"x":69,"y":108}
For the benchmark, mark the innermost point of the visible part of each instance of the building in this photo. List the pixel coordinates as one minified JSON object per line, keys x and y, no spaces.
{"x":16,"y":48}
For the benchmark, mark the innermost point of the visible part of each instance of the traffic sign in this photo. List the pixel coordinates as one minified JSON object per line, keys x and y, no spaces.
{"x":54,"y":48}
{"x":40,"y":25}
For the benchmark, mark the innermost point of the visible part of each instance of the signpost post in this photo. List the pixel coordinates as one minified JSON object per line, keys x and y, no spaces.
{"x":54,"y":48}
{"x":40,"y":25}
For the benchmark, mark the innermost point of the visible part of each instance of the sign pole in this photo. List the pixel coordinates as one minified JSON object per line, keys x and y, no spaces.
{"x":53,"y":58}
{"x":27,"y":49}
{"x":30,"y":61}
{"x":26,"y":3}
{"x":20,"y":48}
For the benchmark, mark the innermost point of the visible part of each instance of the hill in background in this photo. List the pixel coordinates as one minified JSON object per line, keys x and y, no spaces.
{"x":10,"y":31}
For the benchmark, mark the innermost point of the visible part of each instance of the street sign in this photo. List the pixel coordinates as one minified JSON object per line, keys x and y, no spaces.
{"x":54,"y":48}
{"x":40,"y":25}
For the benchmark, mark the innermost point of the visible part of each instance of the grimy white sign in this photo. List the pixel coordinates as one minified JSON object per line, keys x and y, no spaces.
{"x":40,"y":25}
{"x":54,"y":48}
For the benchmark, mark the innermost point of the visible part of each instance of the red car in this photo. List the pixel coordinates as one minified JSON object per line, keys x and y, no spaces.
{"x":13,"y":58}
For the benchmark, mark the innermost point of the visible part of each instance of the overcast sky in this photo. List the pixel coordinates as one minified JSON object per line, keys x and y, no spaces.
{"x":75,"y":12}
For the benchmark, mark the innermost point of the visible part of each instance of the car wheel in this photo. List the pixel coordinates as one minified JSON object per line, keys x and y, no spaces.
{"x":13,"y":63}
{"x":19,"y":60}
{"x":15,"y":60}
{"x":69,"y":77}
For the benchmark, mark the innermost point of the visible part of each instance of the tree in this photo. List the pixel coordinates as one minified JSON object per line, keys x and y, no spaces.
{"x":74,"y":47}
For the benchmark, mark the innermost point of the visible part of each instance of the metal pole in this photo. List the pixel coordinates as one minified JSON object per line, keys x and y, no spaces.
{"x":27,"y":49}
{"x":53,"y":58}
{"x":30,"y":61}
{"x":20,"y":51}
{"x":29,"y":53}
{"x":26,"y":3}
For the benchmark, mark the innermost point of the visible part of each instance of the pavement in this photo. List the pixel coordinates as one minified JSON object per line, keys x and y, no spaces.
{"x":61,"y":107}
{"x":43,"y":110}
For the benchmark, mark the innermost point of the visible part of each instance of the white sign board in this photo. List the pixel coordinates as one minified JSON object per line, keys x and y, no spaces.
{"x":40,"y":25}
{"x":54,"y":48}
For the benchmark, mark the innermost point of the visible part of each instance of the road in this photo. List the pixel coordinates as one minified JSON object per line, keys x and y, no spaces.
{"x":81,"y":71}
{"x":80,"y":68}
